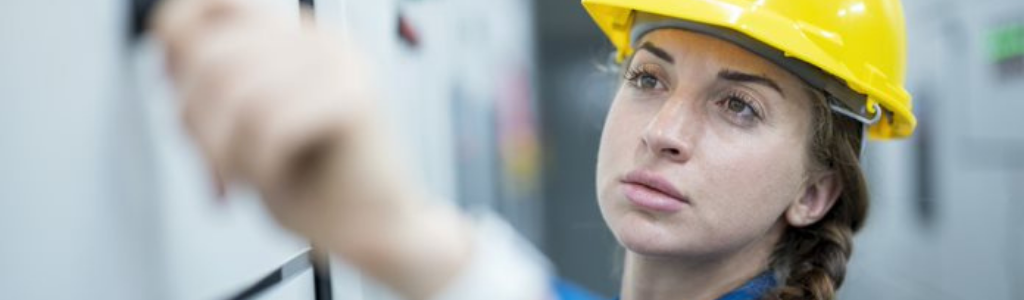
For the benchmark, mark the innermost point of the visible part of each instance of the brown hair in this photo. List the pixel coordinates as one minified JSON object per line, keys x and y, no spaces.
{"x":810,"y":262}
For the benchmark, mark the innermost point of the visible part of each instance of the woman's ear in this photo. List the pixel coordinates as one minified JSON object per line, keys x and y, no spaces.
{"x":819,"y":195}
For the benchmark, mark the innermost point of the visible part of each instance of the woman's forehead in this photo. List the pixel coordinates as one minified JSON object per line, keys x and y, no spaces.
{"x":683,"y":45}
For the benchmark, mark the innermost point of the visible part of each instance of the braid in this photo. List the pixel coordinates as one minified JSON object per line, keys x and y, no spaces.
{"x":810,"y":262}
{"x":814,"y":261}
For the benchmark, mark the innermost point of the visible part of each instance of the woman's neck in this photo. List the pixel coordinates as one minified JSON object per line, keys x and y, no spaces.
{"x":661,"y":278}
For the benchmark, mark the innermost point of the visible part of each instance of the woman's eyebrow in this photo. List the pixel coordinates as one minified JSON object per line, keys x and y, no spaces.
{"x":733,"y":75}
{"x":660,"y":53}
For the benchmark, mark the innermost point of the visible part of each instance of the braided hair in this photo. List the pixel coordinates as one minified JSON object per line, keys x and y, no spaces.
{"x":810,"y":262}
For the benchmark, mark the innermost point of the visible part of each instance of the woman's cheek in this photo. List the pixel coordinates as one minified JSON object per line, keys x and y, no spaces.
{"x":746,"y":192}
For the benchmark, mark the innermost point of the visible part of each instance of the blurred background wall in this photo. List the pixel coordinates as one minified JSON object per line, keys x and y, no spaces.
{"x":103,"y":197}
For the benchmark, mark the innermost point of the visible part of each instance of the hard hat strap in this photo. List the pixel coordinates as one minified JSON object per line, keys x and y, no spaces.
{"x":865,"y":122}
{"x":842,"y":110}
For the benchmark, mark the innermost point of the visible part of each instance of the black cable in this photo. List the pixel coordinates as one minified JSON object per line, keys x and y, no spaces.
{"x":321,"y":275}
{"x":290,"y":269}
{"x":263,"y":284}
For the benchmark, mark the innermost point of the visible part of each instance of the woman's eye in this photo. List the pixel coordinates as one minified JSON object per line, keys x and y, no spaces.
{"x":646,"y":81}
{"x":741,"y":109}
{"x":738,"y":106}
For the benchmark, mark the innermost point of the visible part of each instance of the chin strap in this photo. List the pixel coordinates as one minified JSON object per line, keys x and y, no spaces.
{"x":842,"y":110}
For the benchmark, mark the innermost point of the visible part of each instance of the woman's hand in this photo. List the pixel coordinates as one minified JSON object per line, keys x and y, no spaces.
{"x":287,"y":108}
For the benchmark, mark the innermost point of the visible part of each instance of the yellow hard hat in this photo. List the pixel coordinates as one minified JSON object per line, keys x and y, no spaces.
{"x":853,"y":50}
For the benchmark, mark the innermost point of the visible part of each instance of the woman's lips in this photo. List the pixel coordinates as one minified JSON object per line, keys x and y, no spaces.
{"x":651,"y":191}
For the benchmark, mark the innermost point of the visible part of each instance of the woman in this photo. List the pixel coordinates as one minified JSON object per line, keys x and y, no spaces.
{"x":728,"y":165}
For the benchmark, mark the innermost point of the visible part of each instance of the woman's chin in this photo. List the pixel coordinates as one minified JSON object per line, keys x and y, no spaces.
{"x":649,"y":249}
{"x":672,"y":249}
{"x":650,"y":237}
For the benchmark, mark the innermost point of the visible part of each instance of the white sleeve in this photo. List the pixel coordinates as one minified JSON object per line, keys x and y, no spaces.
{"x":504,"y":266}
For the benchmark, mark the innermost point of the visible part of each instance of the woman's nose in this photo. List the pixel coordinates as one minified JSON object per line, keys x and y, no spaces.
{"x":666,"y":136}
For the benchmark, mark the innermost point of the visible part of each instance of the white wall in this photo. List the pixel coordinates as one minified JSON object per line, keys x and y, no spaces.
{"x":74,"y":204}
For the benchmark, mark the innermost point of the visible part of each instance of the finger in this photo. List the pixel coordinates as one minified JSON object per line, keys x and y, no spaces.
{"x":188,"y":24}
{"x":216,"y":95}
{"x":295,"y":133}
{"x":221,"y":65}
{"x":176,"y":19}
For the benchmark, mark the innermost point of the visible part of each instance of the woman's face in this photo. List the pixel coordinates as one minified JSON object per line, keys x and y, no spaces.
{"x":704,"y":148}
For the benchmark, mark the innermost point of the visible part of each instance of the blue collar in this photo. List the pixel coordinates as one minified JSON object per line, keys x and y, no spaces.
{"x":752,"y":290}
